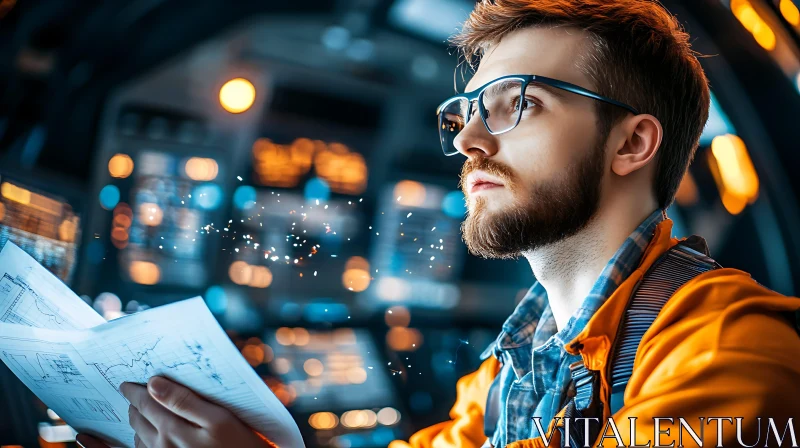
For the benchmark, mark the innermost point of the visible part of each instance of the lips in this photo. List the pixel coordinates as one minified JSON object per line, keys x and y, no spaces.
{"x":478,"y":181}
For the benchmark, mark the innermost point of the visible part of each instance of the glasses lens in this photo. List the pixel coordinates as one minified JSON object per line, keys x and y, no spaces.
{"x":452,"y":119}
{"x":501,"y":105}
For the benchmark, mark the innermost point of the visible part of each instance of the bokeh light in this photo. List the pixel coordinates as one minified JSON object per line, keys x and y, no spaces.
{"x":409,"y":193}
{"x":323,"y":420}
{"x":313,"y":367}
{"x":216,"y":299}
{"x":201,"y":169}
{"x":237,"y":95}
{"x":109,"y":197}
{"x":244,"y":197}
{"x":207,"y":196}
{"x":397,"y":316}
{"x":120,"y":166}
{"x":150,"y":214}
{"x":453,"y":205}
{"x":240,"y":272}
{"x":144,"y":272}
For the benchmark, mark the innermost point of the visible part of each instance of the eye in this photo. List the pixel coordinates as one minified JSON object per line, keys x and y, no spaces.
{"x":527,"y":103}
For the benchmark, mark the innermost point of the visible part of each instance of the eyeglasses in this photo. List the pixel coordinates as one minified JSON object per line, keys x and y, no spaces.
{"x":500,"y":104}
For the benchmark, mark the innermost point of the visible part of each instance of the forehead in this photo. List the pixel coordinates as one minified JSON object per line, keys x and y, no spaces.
{"x":544,"y":51}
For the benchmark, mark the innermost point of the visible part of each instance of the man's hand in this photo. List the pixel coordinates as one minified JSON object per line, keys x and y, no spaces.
{"x":166,"y":414}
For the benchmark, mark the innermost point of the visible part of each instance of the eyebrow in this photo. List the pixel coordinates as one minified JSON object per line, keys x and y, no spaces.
{"x":554,"y":91}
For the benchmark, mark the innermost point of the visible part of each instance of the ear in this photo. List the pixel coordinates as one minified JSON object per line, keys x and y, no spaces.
{"x":639,"y":138}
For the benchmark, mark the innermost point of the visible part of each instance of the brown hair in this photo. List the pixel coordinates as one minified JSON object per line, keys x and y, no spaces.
{"x":640,"y":56}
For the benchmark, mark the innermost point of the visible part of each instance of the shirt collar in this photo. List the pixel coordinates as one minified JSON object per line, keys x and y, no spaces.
{"x":532,"y":321}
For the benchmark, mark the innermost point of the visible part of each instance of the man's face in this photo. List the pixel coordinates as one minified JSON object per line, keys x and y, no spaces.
{"x":540,"y":182}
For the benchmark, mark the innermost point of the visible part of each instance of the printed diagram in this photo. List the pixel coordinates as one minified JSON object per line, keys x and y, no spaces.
{"x":86,"y":408}
{"x":20,"y":304}
{"x":138,"y":359}
{"x":75,"y":395}
{"x":47,"y":370}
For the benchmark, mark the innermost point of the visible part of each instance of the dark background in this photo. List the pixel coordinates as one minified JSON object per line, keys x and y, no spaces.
{"x":343,"y":116}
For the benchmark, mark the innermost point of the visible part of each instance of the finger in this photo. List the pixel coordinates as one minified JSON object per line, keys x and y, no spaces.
{"x":184,"y":402}
{"x":158,"y":415}
{"x":87,"y":441}
{"x":137,"y":442}
{"x":145,"y":431}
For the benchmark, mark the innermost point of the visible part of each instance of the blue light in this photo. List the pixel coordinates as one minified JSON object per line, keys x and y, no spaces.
{"x":453,"y":205}
{"x":317,"y":188}
{"x":433,"y":19}
{"x":717,"y":124}
{"x":207,"y":196}
{"x":244,"y":197}
{"x":326,"y":312}
{"x":216,"y":299}
{"x":109,"y":197}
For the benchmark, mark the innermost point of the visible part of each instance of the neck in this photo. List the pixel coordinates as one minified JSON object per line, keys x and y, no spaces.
{"x":568,"y":269}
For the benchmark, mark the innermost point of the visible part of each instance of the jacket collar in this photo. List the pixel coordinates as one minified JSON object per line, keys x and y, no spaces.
{"x":523,"y":327}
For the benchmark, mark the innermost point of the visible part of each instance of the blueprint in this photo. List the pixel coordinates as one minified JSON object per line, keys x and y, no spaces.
{"x":51,"y":304}
{"x":76,"y":367}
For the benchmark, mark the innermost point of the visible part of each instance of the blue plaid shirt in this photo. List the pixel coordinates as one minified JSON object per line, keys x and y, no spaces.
{"x":535,"y":376}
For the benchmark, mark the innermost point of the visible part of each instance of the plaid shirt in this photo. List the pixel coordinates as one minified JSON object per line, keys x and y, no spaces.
{"x":535,"y":376}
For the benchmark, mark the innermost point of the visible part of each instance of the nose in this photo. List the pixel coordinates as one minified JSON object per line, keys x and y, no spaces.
{"x":475,"y":141}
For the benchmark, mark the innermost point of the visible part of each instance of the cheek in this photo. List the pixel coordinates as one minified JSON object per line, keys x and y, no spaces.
{"x":548,"y":147}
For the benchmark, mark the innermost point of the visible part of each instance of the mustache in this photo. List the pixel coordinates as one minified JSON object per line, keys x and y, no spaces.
{"x":489,"y":166}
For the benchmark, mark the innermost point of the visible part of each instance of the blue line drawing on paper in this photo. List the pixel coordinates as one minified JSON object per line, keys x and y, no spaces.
{"x":86,"y":408}
{"x":48,"y":369}
{"x":138,"y":359}
{"x":28,"y":308}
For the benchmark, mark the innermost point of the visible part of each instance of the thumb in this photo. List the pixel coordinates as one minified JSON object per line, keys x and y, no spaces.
{"x":183,"y":402}
{"x":87,"y":441}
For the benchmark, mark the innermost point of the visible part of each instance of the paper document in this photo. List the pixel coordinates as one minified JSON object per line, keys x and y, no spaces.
{"x":77,"y":372}
{"x":30,"y":295}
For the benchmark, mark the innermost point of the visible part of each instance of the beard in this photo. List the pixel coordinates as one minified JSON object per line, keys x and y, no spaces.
{"x":546,"y":212}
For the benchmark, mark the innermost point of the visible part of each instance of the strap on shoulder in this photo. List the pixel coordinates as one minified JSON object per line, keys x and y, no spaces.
{"x":679,"y":265}
{"x":676,"y":267}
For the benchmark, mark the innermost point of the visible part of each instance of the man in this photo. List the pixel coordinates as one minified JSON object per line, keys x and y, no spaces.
{"x":572,"y":169}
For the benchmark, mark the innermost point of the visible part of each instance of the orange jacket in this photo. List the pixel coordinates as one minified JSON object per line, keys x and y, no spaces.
{"x":722,"y":346}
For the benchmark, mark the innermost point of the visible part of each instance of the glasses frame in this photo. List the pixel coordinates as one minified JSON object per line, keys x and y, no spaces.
{"x":526,"y":80}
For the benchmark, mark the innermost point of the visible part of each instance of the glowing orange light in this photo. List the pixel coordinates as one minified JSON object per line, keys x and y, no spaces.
{"x":356,"y":375}
{"x":734,"y":173}
{"x":15,"y":193}
{"x":240,"y":272}
{"x":237,"y":95}
{"x":120,"y":166}
{"x":397,"y":316}
{"x":285,"y":336}
{"x":150,"y":214}
{"x":753,"y":23}
{"x":2,"y":211}
{"x":121,"y":220}
{"x":323,"y":420}
{"x":145,"y":272}
{"x":301,"y":337}
{"x":409,"y":193}
{"x":313,"y":367}
{"x":401,"y":339}
{"x":735,"y":167}
{"x":261,"y":277}
{"x":201,"y":169}
{"x":356,"y":279}
{"x":790,"y":12}
{"x":253,"y":353}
